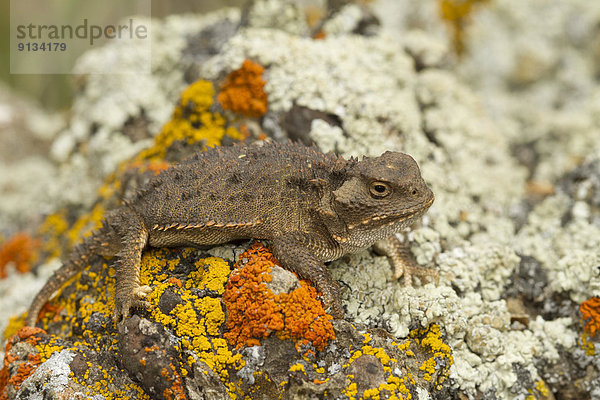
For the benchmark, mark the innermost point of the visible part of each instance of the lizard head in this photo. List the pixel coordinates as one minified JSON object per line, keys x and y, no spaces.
{"x":385,"y":194}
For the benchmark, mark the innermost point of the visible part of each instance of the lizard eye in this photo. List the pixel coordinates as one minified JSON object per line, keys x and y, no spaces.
{"x":380,"y":189}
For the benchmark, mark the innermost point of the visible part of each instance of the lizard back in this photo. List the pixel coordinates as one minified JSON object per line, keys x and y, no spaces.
{"x":266,"y":186}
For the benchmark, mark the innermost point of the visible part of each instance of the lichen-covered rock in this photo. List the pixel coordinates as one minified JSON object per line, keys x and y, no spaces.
{"x":507,"y":139}
{"x":40,"y":364}
{"x":184,"y":347}
{"x":26,"y":133}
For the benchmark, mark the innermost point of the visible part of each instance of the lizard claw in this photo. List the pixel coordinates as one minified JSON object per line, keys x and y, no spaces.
{"x":403,"y":261}
{"x":120,"y":311}
{"x":408,"y":271}
{"x":124,"y":310}
{"x":135,"y":300}
{"x":141,"y":292}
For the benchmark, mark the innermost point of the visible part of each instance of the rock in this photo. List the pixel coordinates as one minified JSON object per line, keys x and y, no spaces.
{"x":184,"y":348}
{"x":507,"y":140}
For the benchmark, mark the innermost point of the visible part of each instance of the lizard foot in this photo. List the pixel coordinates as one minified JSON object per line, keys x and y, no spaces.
{"x":141,"y":292}
{"x":403,"y":261}
{"x":135,"y":300}
{"x":408,"y":270}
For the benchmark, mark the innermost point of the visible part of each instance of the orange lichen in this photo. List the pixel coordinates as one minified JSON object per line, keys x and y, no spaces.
{"x":254,"y":311}
{"x":458,"y":13}
{"x":156,"y":166}
{"x":175,"y":281}
{"x":25,"y":367}
{"x":320,"y":35}
{"x":50,"y":310}
{"x":20,"y":250}
{"x":243,"y":91}
{"x":175,"y":391}
{"x":590,"y":312}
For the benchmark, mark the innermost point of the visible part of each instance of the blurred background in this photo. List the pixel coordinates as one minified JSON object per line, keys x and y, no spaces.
{"x":54,"y":91}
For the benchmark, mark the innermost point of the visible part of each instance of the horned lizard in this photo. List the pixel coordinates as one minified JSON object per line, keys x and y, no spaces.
{"x":311,"y":207}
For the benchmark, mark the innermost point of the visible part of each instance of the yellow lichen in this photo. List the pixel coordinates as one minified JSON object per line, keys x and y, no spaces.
{"x":542,"y":388}
{"x":396,"y":387}
{"x":15,"y":323}
{"x":377,"y":352}
{"x":84,"y":226}
{"x":428,"y":367}
{"x":367,"y":338}
{"x":587,"y":344}
{"x":213,"y":278}
{"x":297,"y":367}
{"x":192,"y":121}
{"x":197,"y":320}
{"x":351,"y":389}
{"x":51,"y":230}
{"x":430,"y":340}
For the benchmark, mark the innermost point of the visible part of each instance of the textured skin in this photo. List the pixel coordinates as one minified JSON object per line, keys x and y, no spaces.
{"x":312,"y":207}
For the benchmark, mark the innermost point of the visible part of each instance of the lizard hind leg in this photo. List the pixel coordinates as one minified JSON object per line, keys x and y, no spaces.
{"x":128,"y":291}
{"x":103,"y":241}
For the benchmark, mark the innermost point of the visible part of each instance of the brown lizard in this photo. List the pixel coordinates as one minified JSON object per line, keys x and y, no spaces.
{"x":311,"y":207}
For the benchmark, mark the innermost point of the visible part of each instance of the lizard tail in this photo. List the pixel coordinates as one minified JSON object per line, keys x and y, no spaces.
{"x":60,"y":276}
{"x":102,"y":241}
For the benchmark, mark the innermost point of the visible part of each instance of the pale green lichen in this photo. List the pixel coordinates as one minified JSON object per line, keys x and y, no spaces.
{"x":569,"y":254}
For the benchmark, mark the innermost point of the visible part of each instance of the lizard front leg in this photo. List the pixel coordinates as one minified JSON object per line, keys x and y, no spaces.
{"x":402,"y":260}
{"x":294,"y":253}
{"x":128,"y":291}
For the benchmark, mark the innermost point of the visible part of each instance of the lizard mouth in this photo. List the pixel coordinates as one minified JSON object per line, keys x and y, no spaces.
{"x":413,"y":212}
{"x":407,"y":213}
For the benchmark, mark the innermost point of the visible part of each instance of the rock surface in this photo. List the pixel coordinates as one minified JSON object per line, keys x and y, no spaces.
{"x":507,"y":139}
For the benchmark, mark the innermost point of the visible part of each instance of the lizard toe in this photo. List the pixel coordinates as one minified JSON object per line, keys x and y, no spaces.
{"x":124,"y":310}
{"x":140,"y":304}
{"x":120,"y":311}
{"x":141,"y":292}
{"x":423,"y":273}
{"x":398,"y":271}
